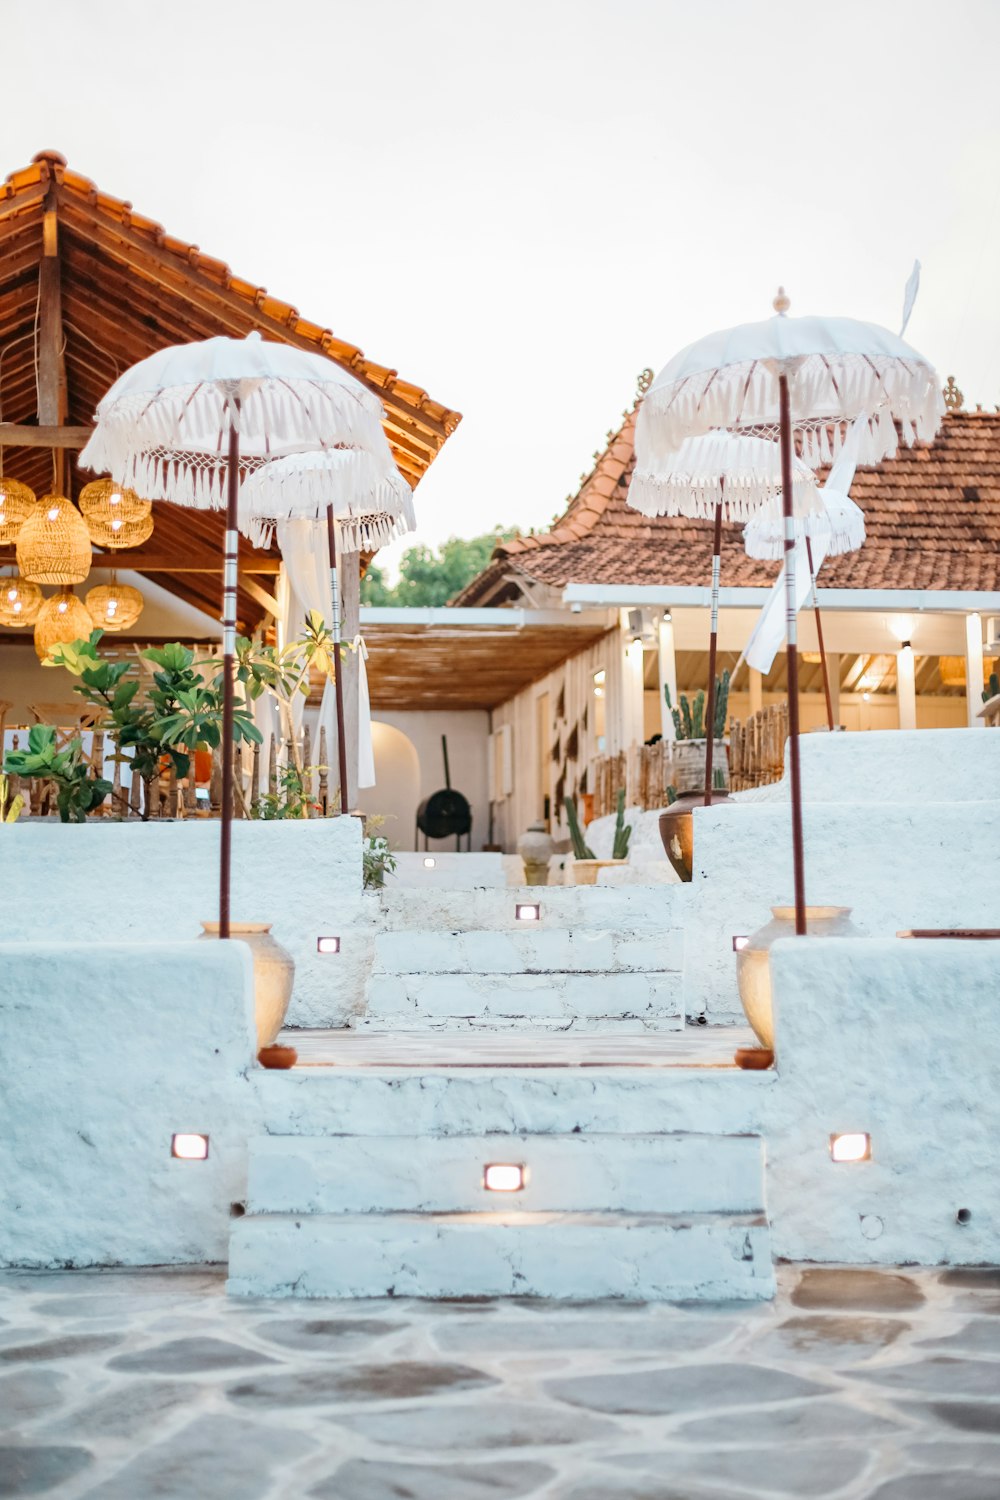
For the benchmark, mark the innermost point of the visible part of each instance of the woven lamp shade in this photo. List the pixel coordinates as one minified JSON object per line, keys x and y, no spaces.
{"x":117,"y":531}
{"x":53,"y":544}
{"x":16,"y":504}
{"x":20,"y":601}
{"x":62,"y":618}
{"x":114,"y":606}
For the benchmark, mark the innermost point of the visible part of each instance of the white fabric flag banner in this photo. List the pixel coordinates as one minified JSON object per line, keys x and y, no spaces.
{"x":769,"y":632}
{"x":305,"y":553}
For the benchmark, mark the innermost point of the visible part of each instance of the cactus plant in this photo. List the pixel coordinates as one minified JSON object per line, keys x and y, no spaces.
{"x":671,"y":795}
{"x":689,"y":717}
{"x":993,"y":689}
{"x":623,"y":831}
{"x":581,"y":849}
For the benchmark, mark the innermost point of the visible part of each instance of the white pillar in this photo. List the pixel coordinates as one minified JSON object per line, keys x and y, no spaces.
{"x":756,"y":691}
{"x":667,"y":675}
{"x":833,"y":671}
{"x":974,"y":670}
{"x":906,"y":687}
{"x":632,"y":690}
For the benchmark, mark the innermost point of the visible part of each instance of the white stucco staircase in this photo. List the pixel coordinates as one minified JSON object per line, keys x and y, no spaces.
{"x":593,"y":960}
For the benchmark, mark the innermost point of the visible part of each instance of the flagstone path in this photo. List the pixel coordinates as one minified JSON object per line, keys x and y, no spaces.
{"x":852,"y":1385}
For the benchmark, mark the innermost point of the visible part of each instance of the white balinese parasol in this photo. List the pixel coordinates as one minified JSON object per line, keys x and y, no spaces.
{"x":365,"y":503}
{"x":720,"y":476}
{"x":181,"y":424}
{"x":838,"y":527}
{"x":807,"y":376}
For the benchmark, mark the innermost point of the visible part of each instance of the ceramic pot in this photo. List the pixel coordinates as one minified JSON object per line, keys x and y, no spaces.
{"x":536,"y":848}
{"x":687,"y":764}
{"x":753,"y":963}
{"x":585,"y":871}
{"x":273,"y":975}
{"x":677,"y":828}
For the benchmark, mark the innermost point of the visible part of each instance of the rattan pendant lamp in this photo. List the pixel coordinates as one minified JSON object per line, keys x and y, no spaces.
{"x":53,"y":544}
{"x":114,"y":606}
{"x":20,"y":600}
{"x":17,"y":502}
{"x":116,"y":517}
{"x":63,"y":618}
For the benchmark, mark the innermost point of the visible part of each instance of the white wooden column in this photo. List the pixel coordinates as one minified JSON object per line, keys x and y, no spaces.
{"x":667,"y":675}
{"x":906,"y":687}
{"x":974,"y":670}
{"x":350,"y":596}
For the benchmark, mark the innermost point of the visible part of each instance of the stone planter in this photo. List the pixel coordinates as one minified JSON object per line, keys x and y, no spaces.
{"x":273,"y":975}
{"x":677,"y":828}
{"x":585,"y":871}
{"x":687,"y":764}
{"x":536,"y":848}
{"x":753,"y":963}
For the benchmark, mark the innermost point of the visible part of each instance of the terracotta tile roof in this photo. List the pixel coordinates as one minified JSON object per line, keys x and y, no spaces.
{"x":932,"y":516}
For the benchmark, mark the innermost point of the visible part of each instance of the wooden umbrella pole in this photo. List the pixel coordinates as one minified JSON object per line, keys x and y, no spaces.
{"x":819,"y":635}
{"x":229,"y":579}
{"x":338,"y":683}
{"x":713,"y":644}
{"x":792,"y":653}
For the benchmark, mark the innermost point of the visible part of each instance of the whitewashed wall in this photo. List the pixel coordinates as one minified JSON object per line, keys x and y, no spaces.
{"x":468,"y":744}
{"x":109,"y":1049}
{"x":899,"y":1040}
{"x":574,"y":679}
{"x":153,"y":882}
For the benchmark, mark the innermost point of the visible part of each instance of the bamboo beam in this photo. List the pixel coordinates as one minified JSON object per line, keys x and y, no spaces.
{"x":262,"y":597}
{"x":52,"y":399}
{"x":22,"y":435}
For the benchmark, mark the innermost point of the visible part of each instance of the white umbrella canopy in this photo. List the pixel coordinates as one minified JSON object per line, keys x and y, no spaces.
{"x":837,"y":368}
{"x":738,"y":471}
{"x":163,"y":427}
{"x":839,"y":527}
{"x":372,"y":502}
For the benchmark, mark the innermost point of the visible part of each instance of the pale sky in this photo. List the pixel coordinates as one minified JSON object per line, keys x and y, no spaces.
{"x":519,"y":206}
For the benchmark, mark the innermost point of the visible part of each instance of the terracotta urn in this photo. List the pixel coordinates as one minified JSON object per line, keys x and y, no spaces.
{"x":677,"y":828}
{"x":753,"y":962}
{"x":273,"y":974}
{"x":586,"y":871}
{"x":536,"y":848}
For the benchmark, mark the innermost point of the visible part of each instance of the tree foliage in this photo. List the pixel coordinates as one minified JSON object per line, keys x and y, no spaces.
{"x":433,"y":577}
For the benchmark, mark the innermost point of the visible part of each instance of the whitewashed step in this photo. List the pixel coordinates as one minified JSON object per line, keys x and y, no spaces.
{"x":593,"y":907}
{"x":568,"y":1256}
{"x":663,"y":1174}
{"x":528,"y":949}
{"x":558,"y":1001}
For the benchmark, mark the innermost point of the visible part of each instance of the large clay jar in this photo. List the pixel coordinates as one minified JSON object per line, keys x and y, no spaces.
{"x":753,"y":962}
{"x":536,"y":847}
{"x":273,"y":975}
{"x":677,"y":828}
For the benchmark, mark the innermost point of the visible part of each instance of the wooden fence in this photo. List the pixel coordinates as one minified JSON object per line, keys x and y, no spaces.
{"x":165,"y":796}
{"x":756,"y":757}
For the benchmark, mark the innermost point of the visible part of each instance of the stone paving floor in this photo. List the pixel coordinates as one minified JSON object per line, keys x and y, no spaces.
{"x":131,"y":1384}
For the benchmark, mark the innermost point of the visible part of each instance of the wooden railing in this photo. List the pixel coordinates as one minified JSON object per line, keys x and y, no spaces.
{"x":757,"y":747}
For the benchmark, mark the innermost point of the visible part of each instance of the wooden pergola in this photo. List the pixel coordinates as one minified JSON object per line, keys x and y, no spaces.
{"x":87,"y":288}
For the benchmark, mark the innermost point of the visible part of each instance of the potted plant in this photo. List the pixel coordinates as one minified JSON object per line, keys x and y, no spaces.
{"x":77,"y":791}
{"x":586,"y":865}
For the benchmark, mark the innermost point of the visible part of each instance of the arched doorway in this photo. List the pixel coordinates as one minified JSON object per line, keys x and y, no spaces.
{"x":396,"y":793}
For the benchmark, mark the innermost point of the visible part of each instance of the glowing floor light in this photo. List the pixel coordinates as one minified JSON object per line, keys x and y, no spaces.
{"x":852,"y":1146}
{"x":527,"y":911}
{"x":429,"y":862}
{"x":328,"y":945}
{"x":189,"y":1147}
{"x":503,"y":1177}
{"x":740,"y":941}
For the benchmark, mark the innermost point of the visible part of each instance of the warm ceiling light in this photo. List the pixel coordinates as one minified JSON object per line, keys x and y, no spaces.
{"x":328,"y":945}
{"x":527,"y":911}
{"x":503,"y":1177}
{"x":189,"y":1147}
{"x":852,"y":1146}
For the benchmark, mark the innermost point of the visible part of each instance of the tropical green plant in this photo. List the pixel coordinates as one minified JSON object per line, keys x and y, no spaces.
{"x":689,"y":714}
{"x":671,"y":795}
{"x":623,"y":830}
{"x":431,"y":578}
{"x":377,"y":860}
{"x":77,"y":791}
{"x":10,"y":807}
{"x":992,"y":690}
{"x":289,"y":798}
{"x":179,"y":712}
{"x":581,"y":849}
{"x":284,"y":672}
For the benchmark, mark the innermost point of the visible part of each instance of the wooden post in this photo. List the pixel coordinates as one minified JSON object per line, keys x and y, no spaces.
{"x":255,"y":787}
{"x":52,"y":403}
{"x":324,"y":774}
{"x":351,"y":579}
{"x":307,"y":773}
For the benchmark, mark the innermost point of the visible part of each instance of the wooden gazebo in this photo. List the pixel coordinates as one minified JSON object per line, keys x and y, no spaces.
{"x":87,"y":288}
